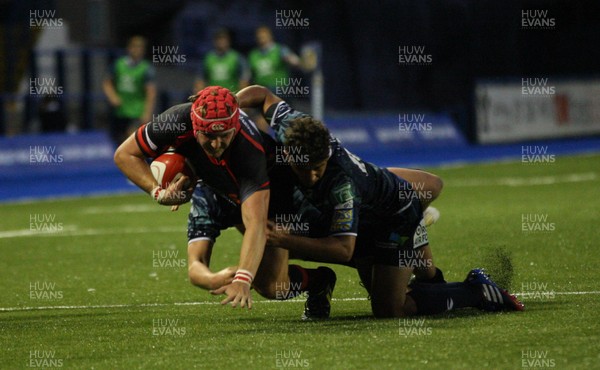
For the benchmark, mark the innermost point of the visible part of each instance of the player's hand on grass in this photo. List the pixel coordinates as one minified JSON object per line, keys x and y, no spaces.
{"x":175,"y":194}
{"x":238,"y":293}
{"x":223,"y":277}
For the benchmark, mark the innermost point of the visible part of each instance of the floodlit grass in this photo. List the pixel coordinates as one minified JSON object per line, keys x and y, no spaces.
{"x":116,"y":266}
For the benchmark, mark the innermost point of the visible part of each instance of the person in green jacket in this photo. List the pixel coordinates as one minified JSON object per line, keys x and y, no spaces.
{"x":270,"y":61}
{"x":130,"y":90}
{"x":223,"y":66}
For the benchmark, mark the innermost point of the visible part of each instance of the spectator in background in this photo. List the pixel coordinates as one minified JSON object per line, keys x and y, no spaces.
{"x":223,"y":66}
{"x":270,"y":61}
{"x":131,"y":90}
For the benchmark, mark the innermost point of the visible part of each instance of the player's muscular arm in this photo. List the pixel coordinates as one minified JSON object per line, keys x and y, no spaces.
{"x":254,"y":216}
{"x":199,"y":253}
{"x":257,"y":96}
{"x":130,"y":160}
{"x":334,"y":249}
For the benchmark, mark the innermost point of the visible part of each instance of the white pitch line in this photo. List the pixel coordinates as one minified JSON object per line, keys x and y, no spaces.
{"x":204,"y":303}
{"x":73,"y":231}
{"x":124,"y":208}
{"x":208,"y":303}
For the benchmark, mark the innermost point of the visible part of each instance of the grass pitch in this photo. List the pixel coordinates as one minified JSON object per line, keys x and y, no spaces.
{"x":101,"y":283}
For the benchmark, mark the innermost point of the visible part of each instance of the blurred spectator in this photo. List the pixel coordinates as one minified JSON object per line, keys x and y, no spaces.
{"x":52,"y":114}
{"x":223,"y":66}
{"x":131,"y":90}
{"x":270,"y":60}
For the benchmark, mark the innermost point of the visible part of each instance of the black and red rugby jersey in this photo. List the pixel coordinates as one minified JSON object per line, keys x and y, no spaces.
{"x":242,"y":169}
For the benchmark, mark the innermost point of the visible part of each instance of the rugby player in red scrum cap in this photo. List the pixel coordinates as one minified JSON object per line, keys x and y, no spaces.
{"x":226,"y":150}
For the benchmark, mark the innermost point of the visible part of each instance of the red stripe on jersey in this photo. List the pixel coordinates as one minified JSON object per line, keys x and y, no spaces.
{"x":252,"y":141}
{"x":264,"y":185}
{"x":140,"y":138}
{"x":226,"y":165}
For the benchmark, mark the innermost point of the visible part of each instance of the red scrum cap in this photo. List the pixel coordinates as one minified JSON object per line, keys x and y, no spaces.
{"x":215,"y":110}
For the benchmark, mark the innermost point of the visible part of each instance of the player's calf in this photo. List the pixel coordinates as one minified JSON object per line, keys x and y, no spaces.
{"x":388,"y":297}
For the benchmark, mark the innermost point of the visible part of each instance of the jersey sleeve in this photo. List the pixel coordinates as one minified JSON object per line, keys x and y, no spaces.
{"x":280,"y":116}
{"x":345,"y":203}
{"x":164,"y":129}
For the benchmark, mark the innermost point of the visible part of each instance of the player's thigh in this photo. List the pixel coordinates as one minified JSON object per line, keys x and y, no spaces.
{"x":388,"y":291}
{"x":420,"y":180}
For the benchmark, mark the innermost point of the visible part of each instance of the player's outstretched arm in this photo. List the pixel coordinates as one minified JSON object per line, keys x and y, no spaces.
{"x":130,"y":160}
{"x":199,"y":253}
{"x":254,"y":216}
{"x":333,"y":249}
{"x":257,"y":96}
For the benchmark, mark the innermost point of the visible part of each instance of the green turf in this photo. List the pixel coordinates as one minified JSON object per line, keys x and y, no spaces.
{"x":103,"y":256}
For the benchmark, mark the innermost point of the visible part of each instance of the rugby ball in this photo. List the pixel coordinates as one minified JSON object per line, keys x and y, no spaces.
{"x":169,"y":167}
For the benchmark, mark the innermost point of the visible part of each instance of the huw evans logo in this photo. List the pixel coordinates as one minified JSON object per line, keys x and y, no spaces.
{"x":44,"y":18}
{"x":410,"y":327}
{"x":291,"y":19}
{"x":45,"y":86}
{"x":536,"y":290}
{"x":290,"y":155}
{"x":285,"y":359}
{"x":291,"y":224}
{"x":534,"y":359}
{"x":167,"y":259}
{"x":287,"y":290}
{"x":291,"y":87}
{"x":413,"y":55}
{"x":44,"y":290}
{"x":537,"y":19}
{"x":413,"y":122}
{"x":536,"y":87}
{"x":169,"y":122}
{"x":44,"y":222}
{"x":536,"y":223}
{"x":167,"y":55}
{"x":414,"y":258}
{"x":536,"y":154}
{"x":44,"y":359}
{"x":168,"y":327}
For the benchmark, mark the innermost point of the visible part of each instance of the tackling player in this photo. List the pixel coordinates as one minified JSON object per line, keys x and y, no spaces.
{"x":336,"y":190}
{"x":226,"y":150}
